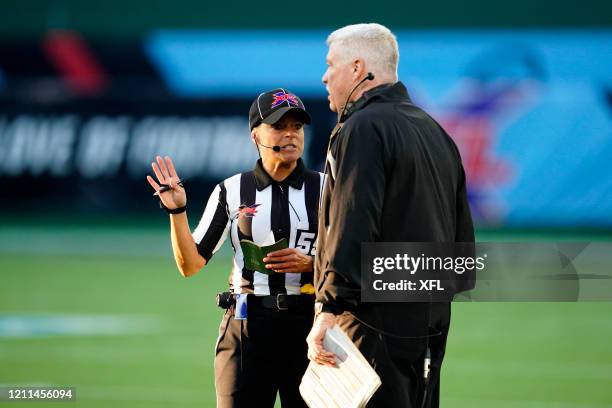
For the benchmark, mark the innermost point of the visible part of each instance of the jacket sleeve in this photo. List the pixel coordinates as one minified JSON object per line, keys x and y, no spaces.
{"x":464,"y":232}
{"x":354,"y":214}
{"x":464,"y":225}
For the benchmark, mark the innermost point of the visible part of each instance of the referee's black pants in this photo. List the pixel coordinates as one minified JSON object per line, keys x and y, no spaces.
{"x":260,"y":356}
{"x":399,"y":362}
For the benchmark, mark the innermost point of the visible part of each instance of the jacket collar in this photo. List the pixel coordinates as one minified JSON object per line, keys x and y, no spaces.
{"x":295,"y":179}
{"x":384,"y":92}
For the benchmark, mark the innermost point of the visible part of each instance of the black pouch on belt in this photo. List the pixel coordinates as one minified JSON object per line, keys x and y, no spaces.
{"x":225,"y":300}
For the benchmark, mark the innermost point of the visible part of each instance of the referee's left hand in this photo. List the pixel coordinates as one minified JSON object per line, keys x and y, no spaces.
{"x":288,"y":260}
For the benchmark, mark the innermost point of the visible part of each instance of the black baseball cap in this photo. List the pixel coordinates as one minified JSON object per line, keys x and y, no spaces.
{"x":269,"y":107}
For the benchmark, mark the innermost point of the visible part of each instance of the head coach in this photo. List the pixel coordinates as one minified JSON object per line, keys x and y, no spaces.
{"x":394,"y":175}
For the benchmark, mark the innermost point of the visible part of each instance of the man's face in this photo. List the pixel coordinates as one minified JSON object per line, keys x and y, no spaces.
{"x":288,"y":133}
{"x":338,"y":79}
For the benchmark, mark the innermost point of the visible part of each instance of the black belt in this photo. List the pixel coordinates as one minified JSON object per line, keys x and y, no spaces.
{"x":282,"y":301}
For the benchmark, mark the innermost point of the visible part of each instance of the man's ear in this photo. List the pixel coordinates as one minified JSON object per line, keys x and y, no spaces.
{"x":359,"y":69}
{"x":254,"y":136}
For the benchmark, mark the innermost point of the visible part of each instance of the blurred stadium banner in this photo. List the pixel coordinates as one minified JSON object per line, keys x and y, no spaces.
{"x":81,"y":120}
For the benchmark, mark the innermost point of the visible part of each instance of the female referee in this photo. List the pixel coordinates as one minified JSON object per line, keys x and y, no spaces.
{"x":261,"y":349}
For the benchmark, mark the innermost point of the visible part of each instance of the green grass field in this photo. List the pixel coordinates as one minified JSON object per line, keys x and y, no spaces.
{"x":125,"y":329}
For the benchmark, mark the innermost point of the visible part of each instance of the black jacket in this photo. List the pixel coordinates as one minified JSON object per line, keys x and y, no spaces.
{"x":393,"y":175}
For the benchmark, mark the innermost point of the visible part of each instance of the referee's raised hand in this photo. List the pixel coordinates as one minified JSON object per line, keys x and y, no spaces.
{"x":175,"y":196}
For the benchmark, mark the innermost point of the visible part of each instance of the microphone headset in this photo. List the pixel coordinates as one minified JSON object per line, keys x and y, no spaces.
{"x":275,"y":148}
{"x":336,"y":130}
{"x":368,"y":77}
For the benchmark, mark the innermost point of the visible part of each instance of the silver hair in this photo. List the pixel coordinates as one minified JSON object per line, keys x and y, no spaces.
{"x":372,"y":42}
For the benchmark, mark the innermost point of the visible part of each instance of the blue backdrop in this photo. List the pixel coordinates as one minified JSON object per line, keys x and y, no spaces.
{"x":530,"y":110}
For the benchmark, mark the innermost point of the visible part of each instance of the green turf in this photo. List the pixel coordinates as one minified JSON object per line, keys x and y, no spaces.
{"x":499,"y":355}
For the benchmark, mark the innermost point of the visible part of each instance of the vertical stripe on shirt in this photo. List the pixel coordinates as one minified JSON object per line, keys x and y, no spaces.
{"x":312,"y":195}
{"x":263,"y":235}
{"x":245,"y":223}
{"x":281,"y":227}
{"x":211,"y":231}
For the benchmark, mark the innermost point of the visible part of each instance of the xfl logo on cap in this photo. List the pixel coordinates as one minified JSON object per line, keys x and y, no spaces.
{"x":282,"y":97}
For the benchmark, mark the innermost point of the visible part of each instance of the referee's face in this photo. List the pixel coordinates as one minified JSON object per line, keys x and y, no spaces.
{"x":288,"y":133}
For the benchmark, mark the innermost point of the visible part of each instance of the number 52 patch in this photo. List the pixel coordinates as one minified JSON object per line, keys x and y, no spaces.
{"x":305,"y":240}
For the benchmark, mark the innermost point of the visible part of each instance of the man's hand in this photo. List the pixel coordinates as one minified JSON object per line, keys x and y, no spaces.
{"x":288,"y":260}
{"x":166,"y":174}
{"x":316,"y":352}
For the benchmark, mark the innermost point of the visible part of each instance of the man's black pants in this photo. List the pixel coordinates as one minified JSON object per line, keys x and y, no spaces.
{"x":260,"y":356}
{"x":399,"y":362}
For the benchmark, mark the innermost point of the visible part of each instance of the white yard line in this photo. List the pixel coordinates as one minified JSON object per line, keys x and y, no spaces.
{"x":72,"y":240}
{"x":522,"y":403}
{"x":558,"y":370}
{"x":23,"y":326}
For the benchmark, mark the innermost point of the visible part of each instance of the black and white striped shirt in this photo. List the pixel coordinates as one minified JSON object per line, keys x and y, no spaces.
{"x":254,"y":206}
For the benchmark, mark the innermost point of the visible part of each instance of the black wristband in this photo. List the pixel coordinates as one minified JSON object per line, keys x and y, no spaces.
{"x":178,"y":210}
